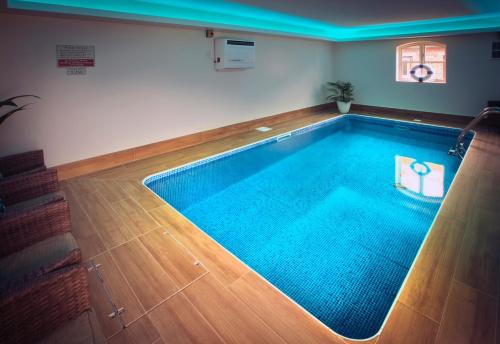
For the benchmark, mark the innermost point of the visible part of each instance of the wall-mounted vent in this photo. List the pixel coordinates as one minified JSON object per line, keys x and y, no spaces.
{"x":234,"y":54}
{"x":245,"y":43}
{"x":495,"y":50}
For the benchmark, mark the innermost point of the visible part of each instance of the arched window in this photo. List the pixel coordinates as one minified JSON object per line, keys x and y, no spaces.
{"x":414,"y":54}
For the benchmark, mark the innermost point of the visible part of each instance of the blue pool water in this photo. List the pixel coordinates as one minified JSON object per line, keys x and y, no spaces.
{"x":318,"y":214}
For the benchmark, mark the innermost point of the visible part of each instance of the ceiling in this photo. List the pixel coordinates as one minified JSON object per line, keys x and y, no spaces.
{"x":365,"y":12}
{"x":333,"y":20}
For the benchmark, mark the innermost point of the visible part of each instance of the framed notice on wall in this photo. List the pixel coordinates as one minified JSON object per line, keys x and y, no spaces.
{"x":75,"y":58}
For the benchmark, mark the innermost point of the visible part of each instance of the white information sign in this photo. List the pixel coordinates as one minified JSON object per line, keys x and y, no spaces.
{"x":75,"y":58}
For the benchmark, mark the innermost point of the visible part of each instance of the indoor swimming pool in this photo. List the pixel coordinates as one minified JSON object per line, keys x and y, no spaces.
{"x":332,"y":214}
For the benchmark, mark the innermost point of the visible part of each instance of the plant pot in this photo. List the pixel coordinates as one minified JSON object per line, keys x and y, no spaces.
{"x":343,"y":106}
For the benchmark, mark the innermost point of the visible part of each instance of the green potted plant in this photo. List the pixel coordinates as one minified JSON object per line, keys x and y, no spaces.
{"x":342,"y":93}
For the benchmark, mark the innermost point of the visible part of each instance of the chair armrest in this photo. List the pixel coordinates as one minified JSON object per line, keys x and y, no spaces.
{"x":21,"y":230}
{"x":23,"y":162}
{"x":35,"y":308}
{"x":24,"y":187}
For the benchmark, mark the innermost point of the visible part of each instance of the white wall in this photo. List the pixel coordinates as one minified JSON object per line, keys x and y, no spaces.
{"x":473,"y":77}
{"x":153,"y":83}
{"x":150,"y":83}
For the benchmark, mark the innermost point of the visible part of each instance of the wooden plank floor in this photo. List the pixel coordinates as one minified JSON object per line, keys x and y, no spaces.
{"x":176,"y":285}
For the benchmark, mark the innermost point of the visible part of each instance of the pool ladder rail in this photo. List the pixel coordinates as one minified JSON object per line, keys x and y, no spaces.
{"x":459,"y":149}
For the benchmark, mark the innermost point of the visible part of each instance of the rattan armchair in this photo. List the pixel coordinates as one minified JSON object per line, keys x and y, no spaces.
{"x":41,"y":288}
{"x":27,"y":162}
{"x":20,"y":229}
{"x":43,"y":283}
{"x":29,"y":186}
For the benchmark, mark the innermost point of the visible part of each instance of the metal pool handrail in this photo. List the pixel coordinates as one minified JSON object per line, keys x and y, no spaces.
{"x":458,"y":149}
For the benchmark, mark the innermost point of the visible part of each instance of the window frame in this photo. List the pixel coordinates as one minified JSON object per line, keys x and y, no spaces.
{"x":421,"y":45}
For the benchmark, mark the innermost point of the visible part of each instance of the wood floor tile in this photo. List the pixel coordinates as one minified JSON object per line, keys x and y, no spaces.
{"x":476,"y":159}
{"x":109,"y":174}
{"x":111,"y":229}
{"x":141,"y":331}
{"x":456,"y":206}
{"x":76,"y":331}
{"x":82,"y":185}
{"x":478,"y":265}
{"x":102,"y":308}
{"x":136,"y":218}
{"x":493,"y":164}
{"x":229,"y":316}
{"x":408,"y":327}
{"x":353,"y":341}
{"x":210,"y":305}
{"x":289,"y":321}
{"x":181,"y":323}
{"x":487,"y":191}
{"x":89,"y":241}
{"x":120,"y":293}
{"x":218,"y":261}
{"x":96,"y":327}
{"x":430,"y":280}
{"x":498,"y":320}
{"x":141,"y":194}
{"x":148,"y":280}
{"x":180,"y":265}
{"x":110,"y":189}
{"x":469,"y":317}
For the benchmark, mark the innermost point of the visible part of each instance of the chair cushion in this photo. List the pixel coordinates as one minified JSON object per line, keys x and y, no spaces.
{"x":33,"y":203}
{"x":43,"y":257}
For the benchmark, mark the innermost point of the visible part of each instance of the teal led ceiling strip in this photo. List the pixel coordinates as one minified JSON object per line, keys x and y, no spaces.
{"x":227,"y":15}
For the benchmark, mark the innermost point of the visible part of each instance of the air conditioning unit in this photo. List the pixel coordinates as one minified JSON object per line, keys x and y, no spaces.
{"x":234,"y":54}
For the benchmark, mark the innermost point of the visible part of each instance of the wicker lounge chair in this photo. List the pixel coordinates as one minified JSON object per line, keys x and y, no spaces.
{"x":26,"y":188}
{"x":43,"y":283}
{"x":23,"y":226}
{"x":22,"y":163}
{"x":41,"y":288}
{"x":34,"y":210}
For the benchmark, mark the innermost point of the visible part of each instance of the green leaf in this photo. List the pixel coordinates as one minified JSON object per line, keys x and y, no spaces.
{"x":340,"y":91}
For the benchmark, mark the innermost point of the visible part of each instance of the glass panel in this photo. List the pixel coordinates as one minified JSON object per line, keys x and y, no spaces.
{"x":405,"y":68}
{"x":409,"y":57}
{"x":435,"y":56}
{"x":435,"y":53}
{"x":410,"y":54}
{"x":439,"y":72}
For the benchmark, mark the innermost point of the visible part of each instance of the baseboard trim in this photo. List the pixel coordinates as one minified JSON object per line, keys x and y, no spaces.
{"x":106,"y":161}
{"x":411,"y":114}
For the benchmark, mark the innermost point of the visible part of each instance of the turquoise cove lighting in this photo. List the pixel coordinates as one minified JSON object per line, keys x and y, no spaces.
{"x":234,"y":16}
